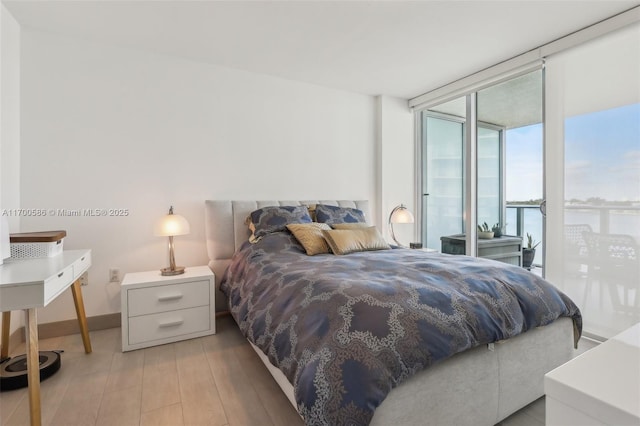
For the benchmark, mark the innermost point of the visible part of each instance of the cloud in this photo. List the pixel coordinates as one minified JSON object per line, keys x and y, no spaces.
{"x":632,"y":158}
{"x":617,"y":182}
{"x":578,"y":165}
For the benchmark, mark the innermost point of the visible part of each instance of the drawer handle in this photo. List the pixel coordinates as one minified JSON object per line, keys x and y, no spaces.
{"x":60,"y":274}
{"x":82,"y":259}
{"x":171,"y":323}
{"x":170,"y":297}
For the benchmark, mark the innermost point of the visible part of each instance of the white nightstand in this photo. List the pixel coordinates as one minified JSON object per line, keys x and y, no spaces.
{"x":160,"y":309}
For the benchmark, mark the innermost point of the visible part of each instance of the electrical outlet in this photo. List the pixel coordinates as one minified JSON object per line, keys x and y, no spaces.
{"x":84,"y":278}
{"x":114,"y":275}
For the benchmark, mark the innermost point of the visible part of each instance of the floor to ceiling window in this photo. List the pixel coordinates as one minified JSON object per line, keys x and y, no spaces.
{"x":595,"y":144}
{"x":515,"y":107}
{"x":563,"y":139}
{"x":502,"y":110}
{"x":443,"y":177}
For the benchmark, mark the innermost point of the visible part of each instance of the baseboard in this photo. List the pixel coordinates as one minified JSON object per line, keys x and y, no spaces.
{"x":16,"y":338}
{"x":67,"y":327}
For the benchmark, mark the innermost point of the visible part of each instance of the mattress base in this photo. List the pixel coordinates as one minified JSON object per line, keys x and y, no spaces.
{"x":481,"y":386}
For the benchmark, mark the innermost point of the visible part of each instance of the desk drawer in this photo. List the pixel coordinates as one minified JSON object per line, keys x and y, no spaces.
{"x":81,"y":265}
{"x":166,"y":325}
{"x":163,"y":298}
{"x":57,"y":284}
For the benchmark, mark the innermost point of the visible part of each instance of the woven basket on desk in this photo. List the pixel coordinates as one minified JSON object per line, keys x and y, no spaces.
{"x":36,"y":244}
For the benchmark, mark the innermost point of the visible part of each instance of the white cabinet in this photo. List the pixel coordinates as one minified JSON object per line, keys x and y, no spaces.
{"x":600,"y":387}
{"x":160,"y":309}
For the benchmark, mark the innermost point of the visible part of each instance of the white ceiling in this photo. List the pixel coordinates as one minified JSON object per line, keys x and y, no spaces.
{"x":394,"y":48}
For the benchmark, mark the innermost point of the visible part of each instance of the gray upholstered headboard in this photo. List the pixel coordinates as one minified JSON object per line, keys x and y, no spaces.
{"x":226,"y":230}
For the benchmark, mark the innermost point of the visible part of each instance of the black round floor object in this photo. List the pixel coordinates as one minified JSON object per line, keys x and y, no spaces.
{"x":13,"y":371}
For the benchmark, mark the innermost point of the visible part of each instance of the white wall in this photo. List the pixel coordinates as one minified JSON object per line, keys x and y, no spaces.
{"x":10,"y":129}
{"x":396,"y":180}
{"x":109,"y":127}
{"x":10,"y":124}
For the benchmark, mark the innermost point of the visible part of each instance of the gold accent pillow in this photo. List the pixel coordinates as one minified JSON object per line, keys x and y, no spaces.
{"x":356,"y":225}
{"x":345,"y":241}
{"x":310,"y":236}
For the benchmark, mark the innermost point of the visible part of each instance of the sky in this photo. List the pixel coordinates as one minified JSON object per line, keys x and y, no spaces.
{"x":523,"y":174}
{"x":602,"y":157}
{"x":602,"y":154}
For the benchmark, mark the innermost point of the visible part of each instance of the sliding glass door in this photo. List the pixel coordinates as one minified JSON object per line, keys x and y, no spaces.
{"x":564,"y":140}
{"x":443,"y":174}
{"x":593,"y":160}
{"x":501,"y":178}
{"x":510,"y":146}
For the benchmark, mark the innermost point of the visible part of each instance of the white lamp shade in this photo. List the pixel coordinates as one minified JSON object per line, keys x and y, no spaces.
{"x":401,"y":215}
{"x":171,"y":225}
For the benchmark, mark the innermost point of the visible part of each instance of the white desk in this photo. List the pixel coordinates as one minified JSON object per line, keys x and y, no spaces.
{"x":27,"y":284}
{"x":599,"y":387}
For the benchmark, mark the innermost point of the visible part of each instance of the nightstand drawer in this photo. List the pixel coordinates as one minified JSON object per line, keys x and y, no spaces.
{"x":165,"y":325}
{"x":163,"y":298}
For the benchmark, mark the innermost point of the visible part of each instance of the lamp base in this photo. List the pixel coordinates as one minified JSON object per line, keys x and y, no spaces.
{"x":168,"y":271}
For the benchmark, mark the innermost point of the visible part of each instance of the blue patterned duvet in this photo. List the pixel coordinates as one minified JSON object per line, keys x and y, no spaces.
{"x":345,"y":330}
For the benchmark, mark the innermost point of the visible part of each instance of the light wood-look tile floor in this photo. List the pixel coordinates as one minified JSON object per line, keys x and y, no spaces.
{"x":213,"y":380}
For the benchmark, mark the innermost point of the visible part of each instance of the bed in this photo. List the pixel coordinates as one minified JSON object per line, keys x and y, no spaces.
{"x":491,"y":377}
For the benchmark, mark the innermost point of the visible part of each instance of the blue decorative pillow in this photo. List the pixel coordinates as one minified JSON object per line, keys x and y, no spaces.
{"x":275,"y":219}
{"x":334,"y":214}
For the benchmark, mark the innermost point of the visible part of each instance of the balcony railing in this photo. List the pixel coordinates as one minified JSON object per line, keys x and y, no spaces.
{"x":606,"y":219}
{"x":523,"y":219}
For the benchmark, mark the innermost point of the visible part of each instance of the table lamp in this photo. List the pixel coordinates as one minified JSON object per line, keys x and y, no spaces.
{"x":170,"y":226}
{"x":399,"y":214}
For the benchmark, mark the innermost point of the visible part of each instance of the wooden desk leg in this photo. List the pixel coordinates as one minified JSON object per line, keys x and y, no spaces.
{"x":82,"y":317}
{"x":4,"y":346}
{"x":33,"y":365}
